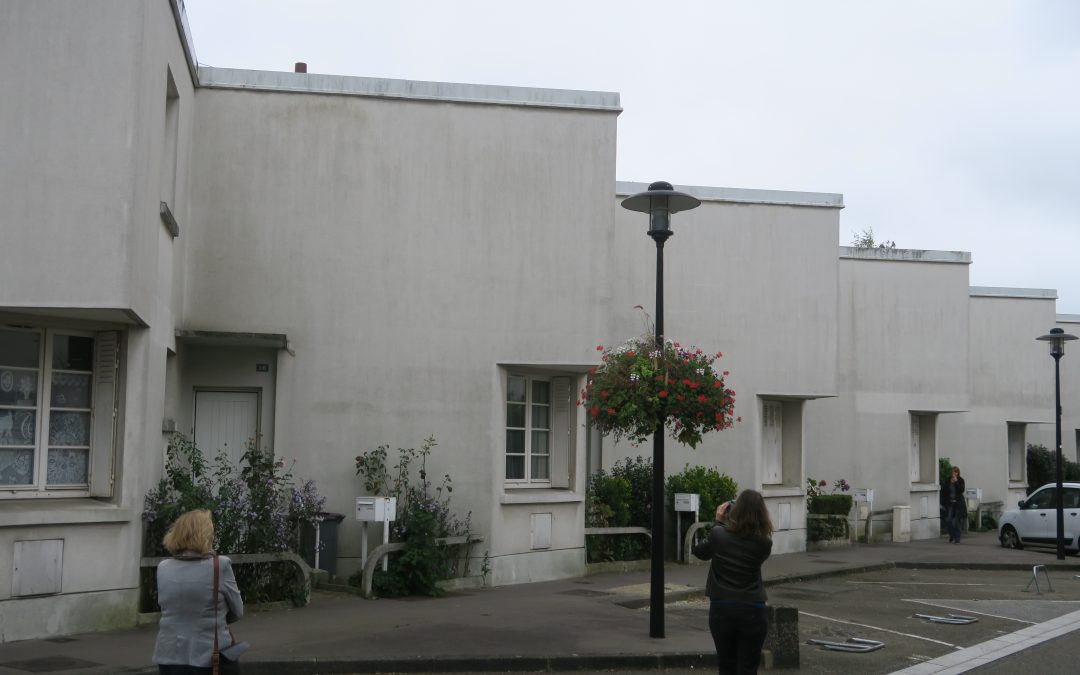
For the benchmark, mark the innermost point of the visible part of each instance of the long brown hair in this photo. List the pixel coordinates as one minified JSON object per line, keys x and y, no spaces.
{"x":749,"y":518}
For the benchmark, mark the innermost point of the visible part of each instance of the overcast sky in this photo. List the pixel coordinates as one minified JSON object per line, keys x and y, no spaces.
{"x":950,"y":125}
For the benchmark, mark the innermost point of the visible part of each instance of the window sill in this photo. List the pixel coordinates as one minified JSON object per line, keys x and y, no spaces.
{"x":924,"y":487}
{"x":1018,"y":485}
{"x":782,"y":491}
{"x":539,"y":496}
{"x":31,"y":512}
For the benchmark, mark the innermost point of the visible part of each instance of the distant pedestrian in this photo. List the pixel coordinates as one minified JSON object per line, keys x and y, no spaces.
{"x":737,"y":545}
{"x":954,"y":504}
{"x":194,"y":619}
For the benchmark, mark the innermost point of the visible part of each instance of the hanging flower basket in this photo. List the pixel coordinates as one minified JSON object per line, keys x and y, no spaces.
{"x":639,"y":387}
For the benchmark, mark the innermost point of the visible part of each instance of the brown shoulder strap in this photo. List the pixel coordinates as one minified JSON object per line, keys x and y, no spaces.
{"x":216,"y":657}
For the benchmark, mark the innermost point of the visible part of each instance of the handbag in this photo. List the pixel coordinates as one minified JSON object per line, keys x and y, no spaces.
{"x":232,"y":652}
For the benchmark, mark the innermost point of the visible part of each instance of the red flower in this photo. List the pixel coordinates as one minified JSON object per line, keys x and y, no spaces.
{"x":686,"y":381}
{"x":662,"y":394}
{"x":693,"y":385}
{"x":599,"y":348}
{"x":701,"y":398}
{"x":680,"y":397}
{"x":611,"y":411}
{"x":726,"y":373}
{"x":630,"y":353}
{"x":717,"y":384}
{"x":594,"y":411}
{"x":739,"y":418}
{"x":605,"y":394}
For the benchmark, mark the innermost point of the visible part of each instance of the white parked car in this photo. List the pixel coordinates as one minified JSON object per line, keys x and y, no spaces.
{"x":1034,"y":521}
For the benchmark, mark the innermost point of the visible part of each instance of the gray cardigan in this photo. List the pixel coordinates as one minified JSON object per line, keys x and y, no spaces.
{"x":186,"y":630}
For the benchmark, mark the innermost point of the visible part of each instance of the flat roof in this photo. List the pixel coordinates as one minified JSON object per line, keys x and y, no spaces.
{"x":454,"y":92}
{"x":905,"y":255}
{"x":998,"y":292}
{"x":827,"y":200}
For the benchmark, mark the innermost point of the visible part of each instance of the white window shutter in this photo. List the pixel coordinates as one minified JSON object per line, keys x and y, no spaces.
{"x":772,"y":442}
{"x":106,"y":393}
{"x":916,"y":449}
{"x":560,"y":432}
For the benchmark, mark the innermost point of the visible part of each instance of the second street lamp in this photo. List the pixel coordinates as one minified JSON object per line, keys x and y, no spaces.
{"x":659,"y":201}
{"x":1057,"y":338}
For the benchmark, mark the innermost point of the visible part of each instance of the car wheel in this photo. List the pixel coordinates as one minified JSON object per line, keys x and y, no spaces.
{"x":1009,"y":538}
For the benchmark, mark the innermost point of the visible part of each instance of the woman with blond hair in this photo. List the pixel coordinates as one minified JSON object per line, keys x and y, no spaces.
{"x":737,"y":545}
{"x":194,"y":619}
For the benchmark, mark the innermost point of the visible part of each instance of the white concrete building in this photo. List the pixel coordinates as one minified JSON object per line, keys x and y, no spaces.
{"x":332,"y":263}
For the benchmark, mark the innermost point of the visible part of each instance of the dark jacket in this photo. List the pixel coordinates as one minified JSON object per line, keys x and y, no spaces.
{"x":735,"y":570}
{"x":960,"y":497}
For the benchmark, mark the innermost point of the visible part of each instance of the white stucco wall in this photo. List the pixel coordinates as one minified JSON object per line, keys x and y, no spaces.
{"x":903,"y":339}
{"x":407,"y":248}
{"x":83,"y":127}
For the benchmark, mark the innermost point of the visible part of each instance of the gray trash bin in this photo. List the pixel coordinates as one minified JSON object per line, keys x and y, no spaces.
{"x":328,"y":536}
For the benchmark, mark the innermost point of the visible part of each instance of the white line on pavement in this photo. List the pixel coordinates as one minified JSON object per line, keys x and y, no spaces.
{"x":915,"y":583}
{"x":987,"y":652}
{"x":970,"y":611}
{"x":884,"y":630}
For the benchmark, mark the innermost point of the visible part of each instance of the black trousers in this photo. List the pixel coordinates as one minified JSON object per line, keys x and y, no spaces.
{"x":738,"y":631}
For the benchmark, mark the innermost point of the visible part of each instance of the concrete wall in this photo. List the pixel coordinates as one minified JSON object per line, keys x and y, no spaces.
{"x":408,"y":248}
{"x":892,"y":363}
{"x":752,"y":274}
{"x":83,"y":125}
{"x":1006,"y":367}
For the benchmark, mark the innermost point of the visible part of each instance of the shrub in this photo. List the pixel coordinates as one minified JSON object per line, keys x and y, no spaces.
{"x":1042,"y":467}
{"x":834,"y":505}
{"x":423,"y":516}
{"x":621,"y":498}
{"x":257,"y":508}
{"x":714,"y":487}
{"x":816,"y":488}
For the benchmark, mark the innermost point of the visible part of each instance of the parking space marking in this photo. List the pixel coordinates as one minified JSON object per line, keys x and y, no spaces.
{"x":878,"y":628}
{"x":968,"y":610}
{"x":916,"y":583}
{"x":992,"y":650}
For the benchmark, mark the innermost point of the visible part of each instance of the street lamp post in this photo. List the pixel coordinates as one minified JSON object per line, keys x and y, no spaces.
{"x":659,"y":201}
{"x":1057,"y":338}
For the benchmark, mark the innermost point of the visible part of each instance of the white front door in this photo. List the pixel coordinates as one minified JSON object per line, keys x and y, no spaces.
{"x":226,"y":421}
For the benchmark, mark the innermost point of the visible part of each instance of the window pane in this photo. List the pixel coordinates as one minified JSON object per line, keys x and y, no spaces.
{"x":17,"y":427}
{"x":72,"y":352}
{"x":515,"y":415}
{"x":19,"y":348}
{"x":540,"y":416}
{"x":540,"y":442}
{"x":515,"y":442}
{"x":18,"y":387}
{"x":70,"y":390}
{"x":69,"y":428}
{"x":540,"y":467}
{"x":16,"y":466}
{"x":515,"y":466}
{"x":515,"y":389}
{"x":67,"y":466}
{"x":541,"y":392}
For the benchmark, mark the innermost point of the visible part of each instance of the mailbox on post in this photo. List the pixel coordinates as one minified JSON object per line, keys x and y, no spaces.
{"x":375,"y":510}
{"x":684,"y":502}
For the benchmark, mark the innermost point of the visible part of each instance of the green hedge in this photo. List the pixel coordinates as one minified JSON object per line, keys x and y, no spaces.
{"x":1042,"y":467}
{"x":838,"y":505}
{"x":621,"y":498}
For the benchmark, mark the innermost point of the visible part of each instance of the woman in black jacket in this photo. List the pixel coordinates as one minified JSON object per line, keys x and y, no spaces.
{"x":954,"y":504}
{"x":738,"y":543}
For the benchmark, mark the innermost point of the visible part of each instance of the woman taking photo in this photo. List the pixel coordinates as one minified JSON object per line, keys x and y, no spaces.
{"x":738,"y":543}
{"x":194,"y":619}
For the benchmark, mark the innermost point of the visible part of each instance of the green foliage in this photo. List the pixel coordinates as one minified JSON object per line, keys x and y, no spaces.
{"x":865,"y":239}
{"x":825,"y":528}
{"x":640,"y":387}
{"x":622,"y":498}
{"x":1042,"y":467}
{"x":944,"y":469}
{"x":837,"y":505}
{"x":423,"y":516}
{"x":257,"y":508}
{"x":816,"y":488}
{"x":714,"y":487}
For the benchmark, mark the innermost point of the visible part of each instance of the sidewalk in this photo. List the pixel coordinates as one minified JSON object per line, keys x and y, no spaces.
{"x":573,"y":624}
